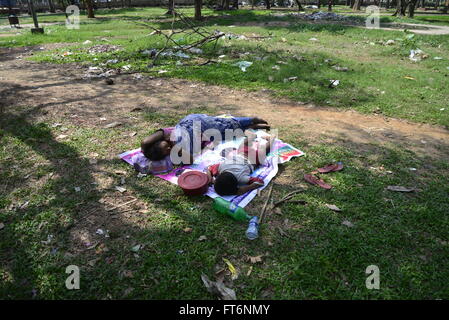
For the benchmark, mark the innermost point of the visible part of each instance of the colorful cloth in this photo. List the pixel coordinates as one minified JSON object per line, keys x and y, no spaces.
{"x":281,"y":152}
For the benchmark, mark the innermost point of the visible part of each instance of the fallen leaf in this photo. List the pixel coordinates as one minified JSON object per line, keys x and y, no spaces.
{"x":347,"y":223}
{"x":202,"y":238}
{"x":128,"y":274}
{"x":282,"y":232}
{"x":128,"y":291}
{"x":92,"y":262}
{"x":249,"y":271}
{"x":255,"y":259}
{"x":400,"y":189}
{"x":113,"y":125}
{"x":333,"y":207}
{"x":187,"y":230}
{"x":278,"y":211}
{"x":136,"y":248}
{"x":132,"y":134}
{"x":218,"y":288}
{"x":234,"y":274}
{"x":120,"y":189}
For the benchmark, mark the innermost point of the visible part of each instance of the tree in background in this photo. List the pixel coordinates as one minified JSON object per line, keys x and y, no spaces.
{"x":401,"y":6}
{"x":51,"y":6}
{"x":298,"y":3}
{"x":329,"y":5}
{"x":171,"y":7}
{"x":411,"y":8}
{"x":90,"y":9}
{"x":446,"y":6}
{"x":198,"y":5}
{"x":356,"y":5}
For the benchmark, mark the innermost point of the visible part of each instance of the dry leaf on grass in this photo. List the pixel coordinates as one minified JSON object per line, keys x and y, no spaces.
{"x":113,"y":125}
{"x":348,"y":223}
{"x":333,"y":207}
{"x":255,"y":259}
{"x":234,"y":273}
{"x":120,"y":189}
{"x":202,"y":238}
{"x":128,"y":274}
{"x":218,"y":288}
{"x":400,"y":189}
{"x":187,"y":230}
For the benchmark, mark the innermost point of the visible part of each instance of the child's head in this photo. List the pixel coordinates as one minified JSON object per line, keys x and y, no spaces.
{"x":226,"y":184}
{"x":155,"y":151}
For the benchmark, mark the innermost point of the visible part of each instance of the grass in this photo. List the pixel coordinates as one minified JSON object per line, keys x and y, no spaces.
{"x":316,"y":257}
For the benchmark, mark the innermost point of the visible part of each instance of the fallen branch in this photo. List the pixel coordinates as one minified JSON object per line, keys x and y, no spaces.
{"x":288,"y":197}
{"x":121,"y":205}
{"x":265,"y":205}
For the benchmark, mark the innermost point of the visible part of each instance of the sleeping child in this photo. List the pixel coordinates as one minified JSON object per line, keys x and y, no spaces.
{"x":233,"y":175}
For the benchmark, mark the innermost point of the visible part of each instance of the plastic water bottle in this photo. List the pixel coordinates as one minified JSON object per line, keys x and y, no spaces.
{"x":229,"y":208}
{"x":253,"y":229}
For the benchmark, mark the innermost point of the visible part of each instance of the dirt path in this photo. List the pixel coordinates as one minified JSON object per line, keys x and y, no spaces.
{"x":59,"y":92}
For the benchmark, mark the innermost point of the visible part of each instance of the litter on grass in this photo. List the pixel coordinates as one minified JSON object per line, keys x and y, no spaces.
{"x":334,"y":83}
{"x":417,"y":55}
{"x":218,"y":288}
{"x":400,"y":189}
{"x":243,"y":65}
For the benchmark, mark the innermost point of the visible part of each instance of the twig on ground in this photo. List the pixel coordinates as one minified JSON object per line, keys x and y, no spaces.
{"x":262,"y":214}
{"x":121,"y":205}
{"x":288,"y":197}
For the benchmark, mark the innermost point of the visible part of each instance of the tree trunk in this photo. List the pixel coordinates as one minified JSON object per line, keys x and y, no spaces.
{"x":329,"y":5}
{"x":411,"y":8}
{"x":318,"y":4}
{"x":171,"y":7}
{"x":268,"y":4}
{"x":198,"y":5}
{"x":388,"y":4}
{"x":90,"y":9}
{"x":446,"y":6}
{"x":357,"y":5}
{"x":298,"y":3}
{"x":236,"y":4}
{"x":399,"y":8}
{"x":51,"y":6}
{"x":226,"y":5}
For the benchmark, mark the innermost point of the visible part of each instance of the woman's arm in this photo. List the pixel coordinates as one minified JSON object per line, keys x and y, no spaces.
{"x":244,"y":189}
{"x":157,"y":136}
